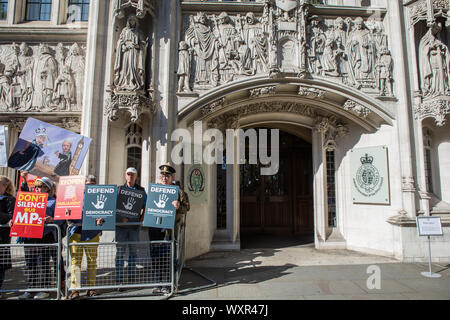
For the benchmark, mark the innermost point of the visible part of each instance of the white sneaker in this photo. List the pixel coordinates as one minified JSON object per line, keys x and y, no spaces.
{"x":41,"y":295}
{"x":26,"y":295}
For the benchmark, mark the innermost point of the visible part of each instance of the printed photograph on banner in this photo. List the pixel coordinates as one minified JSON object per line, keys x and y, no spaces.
{"x":47,"y":150}
{"x":159,"y":210}
{"x":29,"y":215}
{"x":130,"y":203}
{"x":31,"y":180}
{"x":99,"y":207}
{"x":3,"y":146}
{"x":69,"y":198}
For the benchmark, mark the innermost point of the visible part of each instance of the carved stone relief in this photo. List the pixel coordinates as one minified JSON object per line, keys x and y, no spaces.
{"x":356,"y":108}
{"x":219,"y":48}
{"x":41,"y":77}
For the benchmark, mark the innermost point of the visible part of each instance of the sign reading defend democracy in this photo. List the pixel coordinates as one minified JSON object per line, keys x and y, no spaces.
{"x":159,"y":211}
{"x":29,"y":215}
{"x":129,"y":204}
{"x":99,"y":203}
{"x":69,"y":198}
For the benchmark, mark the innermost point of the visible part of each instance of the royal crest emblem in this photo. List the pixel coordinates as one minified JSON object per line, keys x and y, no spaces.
{"x":368,"y":181}
{"x":286,"y":5}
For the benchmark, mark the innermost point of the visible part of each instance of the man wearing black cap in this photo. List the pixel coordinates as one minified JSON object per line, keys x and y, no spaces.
{"x":129,"y":233}
{"x":154,"y":234}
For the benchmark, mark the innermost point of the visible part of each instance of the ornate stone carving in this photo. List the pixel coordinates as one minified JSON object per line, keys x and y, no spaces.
{"x":133,"y":103}
{"x":311,"y":93}
{"x":213,"y":106}
{"x":142,"y":7}
{"x":408,"y":184}
{"x":436,"y":108}
{"x":72,"y":123}
{"x":257,"y":92}
{"x":41,"y":77}
{"x":356,"y":108}
{"x":331,"y":130}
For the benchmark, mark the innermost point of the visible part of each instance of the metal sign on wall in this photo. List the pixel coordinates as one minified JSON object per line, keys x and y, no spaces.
{"x":370,"y":175}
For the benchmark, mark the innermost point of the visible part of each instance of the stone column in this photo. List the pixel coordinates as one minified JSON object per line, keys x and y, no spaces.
{"x":93,"y":123}
{"x":320,"y":214}
{"x":404,"y":105}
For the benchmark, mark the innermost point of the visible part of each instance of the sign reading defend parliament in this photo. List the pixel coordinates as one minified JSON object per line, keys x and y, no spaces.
{"x":159,"y":211}
{"x":99,"y":203}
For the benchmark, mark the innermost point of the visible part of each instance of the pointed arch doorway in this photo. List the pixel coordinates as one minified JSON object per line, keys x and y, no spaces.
{"x":277,"y":211}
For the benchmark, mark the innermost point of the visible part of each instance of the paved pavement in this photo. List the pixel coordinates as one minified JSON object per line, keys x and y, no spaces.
{"x":304,"y":273}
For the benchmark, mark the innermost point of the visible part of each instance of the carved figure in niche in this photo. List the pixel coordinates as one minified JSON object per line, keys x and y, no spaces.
{"x":25,"y":75}
{"x":45,"y":77}
{"x":316,"y":45}
{"x":131,"y":52}
{"x":329,"y":59}
{"x":228,"y":37}
{"x":5,"y":87}
{"x":184,"y":67}
{"x":384,"y":72}
{"x":200,"y":37}
{"x":244,"y":61}
{"x":256,"y":40}
{"x":379,"y":38}
{"x":361,"y":50}
{"x":65,"y":89}
{"x":75,"y":62}
{"x":434,"y":59}
{"x":343,"y":66}
{"x":60,"y":55}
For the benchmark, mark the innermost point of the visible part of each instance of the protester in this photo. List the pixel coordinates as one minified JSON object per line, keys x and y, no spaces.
{"x":7,"y":202}
{"x":182,"y":206}
{"x":128,"y":233}
{"x":78,"y":235}
{"x":36,"y":256}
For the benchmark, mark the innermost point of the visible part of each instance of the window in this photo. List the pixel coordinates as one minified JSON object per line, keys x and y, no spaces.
{"x":134,"y":147}
{"x":38,"y":10}
{"x":427,"y":142}
{"x":78,"y":10}
{"x":221,"y":196}
{"x":3,"y":9}
{"x":331,"y":189}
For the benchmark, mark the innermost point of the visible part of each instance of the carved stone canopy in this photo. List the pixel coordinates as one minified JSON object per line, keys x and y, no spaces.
{"x":436,"y":108}
{"x":141,"y":7}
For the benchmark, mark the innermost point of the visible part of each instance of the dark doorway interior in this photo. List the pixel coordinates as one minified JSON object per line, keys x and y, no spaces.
{"x":277,"y":211}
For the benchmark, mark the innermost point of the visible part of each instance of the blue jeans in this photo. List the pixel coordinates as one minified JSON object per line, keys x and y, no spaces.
{"x":128,"y":234}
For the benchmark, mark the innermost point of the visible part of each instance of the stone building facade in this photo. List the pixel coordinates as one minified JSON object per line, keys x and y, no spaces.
{"x":333,"y":76}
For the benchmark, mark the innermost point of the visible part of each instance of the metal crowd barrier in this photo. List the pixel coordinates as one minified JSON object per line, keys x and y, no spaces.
{"x":35,"y":267}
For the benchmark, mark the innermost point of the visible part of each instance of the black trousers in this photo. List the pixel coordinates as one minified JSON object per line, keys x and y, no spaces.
{"x":160,"y":256}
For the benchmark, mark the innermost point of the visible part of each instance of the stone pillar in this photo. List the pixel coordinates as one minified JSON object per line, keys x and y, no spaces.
{"x":320,"y":214}
{"x":404,"y":105}
{"x":93,"y":123}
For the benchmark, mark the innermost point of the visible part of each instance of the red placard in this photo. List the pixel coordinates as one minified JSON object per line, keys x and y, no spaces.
{"x":31,"y":180}
{"x":69,"y":198}
{"x":29,"y":215}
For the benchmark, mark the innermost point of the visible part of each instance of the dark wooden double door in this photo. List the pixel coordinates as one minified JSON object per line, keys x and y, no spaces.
{"x":281,"y":203}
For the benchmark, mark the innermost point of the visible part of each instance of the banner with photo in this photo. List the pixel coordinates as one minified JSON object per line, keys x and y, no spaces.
{"x":130,"y":203}
{"x":99,"y":208}
{"x":159,"y":210}
{"x":3,"y":146}
{"x":69,"y":198}
{"x":31,"y":180}
{"x":29,"y":215}
{"x":46,"y":150}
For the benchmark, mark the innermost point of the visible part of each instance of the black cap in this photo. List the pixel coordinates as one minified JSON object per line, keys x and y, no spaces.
{"x":167,"y":168}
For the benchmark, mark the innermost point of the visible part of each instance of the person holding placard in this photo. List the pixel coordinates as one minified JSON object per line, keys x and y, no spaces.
{"x":78,"y":235}
{"x":128,"y":233}
{"x":7,"y":201}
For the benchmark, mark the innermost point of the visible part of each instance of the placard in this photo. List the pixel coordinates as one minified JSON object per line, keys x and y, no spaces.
{"x":129,"y":204}
{"x":429,"y":226}
{"x":159,"y":210}
{"x":99,"y":203}
{"x":69,"y":198}
{"x":47,"y":150}
{"x":31,"y":180}
{"x":370,"y":175}
{"x":29,"y":215}
{"x":3,"y":146}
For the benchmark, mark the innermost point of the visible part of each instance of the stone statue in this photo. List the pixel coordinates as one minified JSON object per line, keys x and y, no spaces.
{"x":256,"y":40}
{"x":25,"y":76}
{"x":76,"y":64}
{"x":384,"y":72}
{"x":184,"y":67}
{"x":329,"y":59}
{"x":316,"y":45}
{"x":45,"y":77}
{"x":131,"y":52}
{"x":5,"y":87}
{"x":434,"y":58}
{"x":228,"y":38}
{"x":342,"y":59}
{"x":65,"y":89}
{"x":361,"y":51}
{"x":200,"y":37}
